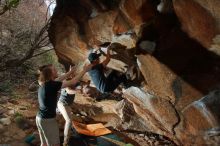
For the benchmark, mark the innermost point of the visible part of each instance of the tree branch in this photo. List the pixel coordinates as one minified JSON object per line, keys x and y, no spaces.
{"x":5,"y":9}
{"x":42,"y":53}
{"x":40,"y":40}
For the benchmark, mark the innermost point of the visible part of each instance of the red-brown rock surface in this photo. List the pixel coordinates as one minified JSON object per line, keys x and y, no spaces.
{"x":137,"y":12}
{"x":177,"y":73}
{"x":199,"y":18}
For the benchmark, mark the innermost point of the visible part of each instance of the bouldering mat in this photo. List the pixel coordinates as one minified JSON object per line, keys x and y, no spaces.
{"x":91,"y":129}
{"x":107,"y":140}
{"x":94,"y":135}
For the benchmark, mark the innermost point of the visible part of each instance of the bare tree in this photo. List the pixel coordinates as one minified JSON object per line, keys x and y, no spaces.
{"x":41,"y":40}
{"x":36,"y":43}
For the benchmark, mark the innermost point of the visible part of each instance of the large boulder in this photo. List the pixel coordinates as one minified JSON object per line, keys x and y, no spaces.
{"x":137,"y":12}
{"x":110,"y":26}
{"x":158,"y":78}
{"x":199,"y":18}
{"x":191,"y":125}
{"x":199,"y":118}
{"x":177,"y":70}
{"x":130,"y":119}
{"x":159,"y":114}
{"x":102,"y":26}
{"x":77,"y":26}
{"x":163,"y":82}
{"x":68,"y":43}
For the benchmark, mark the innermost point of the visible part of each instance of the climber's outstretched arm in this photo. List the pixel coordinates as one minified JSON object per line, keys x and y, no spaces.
{"x":108,"y":58}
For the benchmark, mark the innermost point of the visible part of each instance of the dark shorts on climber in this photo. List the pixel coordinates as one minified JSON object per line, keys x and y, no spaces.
{"x":105,"y":84}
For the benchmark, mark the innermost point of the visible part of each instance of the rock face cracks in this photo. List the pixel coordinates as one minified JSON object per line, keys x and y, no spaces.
{"x":174,"y":46}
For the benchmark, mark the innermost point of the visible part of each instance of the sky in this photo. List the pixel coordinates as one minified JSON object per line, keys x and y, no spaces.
{"x":52,"y":5}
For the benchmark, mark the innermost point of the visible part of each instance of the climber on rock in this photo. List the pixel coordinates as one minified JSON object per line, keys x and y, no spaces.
{"x":106,"y":84}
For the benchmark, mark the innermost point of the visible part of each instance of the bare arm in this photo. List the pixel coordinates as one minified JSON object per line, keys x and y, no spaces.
{"x":66,"y":75}
{"x":108,"y":58}
{"x":76,"y":79}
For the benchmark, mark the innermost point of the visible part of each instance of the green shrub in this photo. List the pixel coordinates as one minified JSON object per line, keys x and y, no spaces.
{"x":5,"y":86}
{"x":12,"y":3}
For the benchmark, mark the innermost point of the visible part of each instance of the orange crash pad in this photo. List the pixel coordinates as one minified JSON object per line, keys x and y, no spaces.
{"x":91,"y":129}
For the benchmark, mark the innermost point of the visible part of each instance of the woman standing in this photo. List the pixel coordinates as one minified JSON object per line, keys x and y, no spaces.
{"x":64,"y":105}
{"x":50,"y":84}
